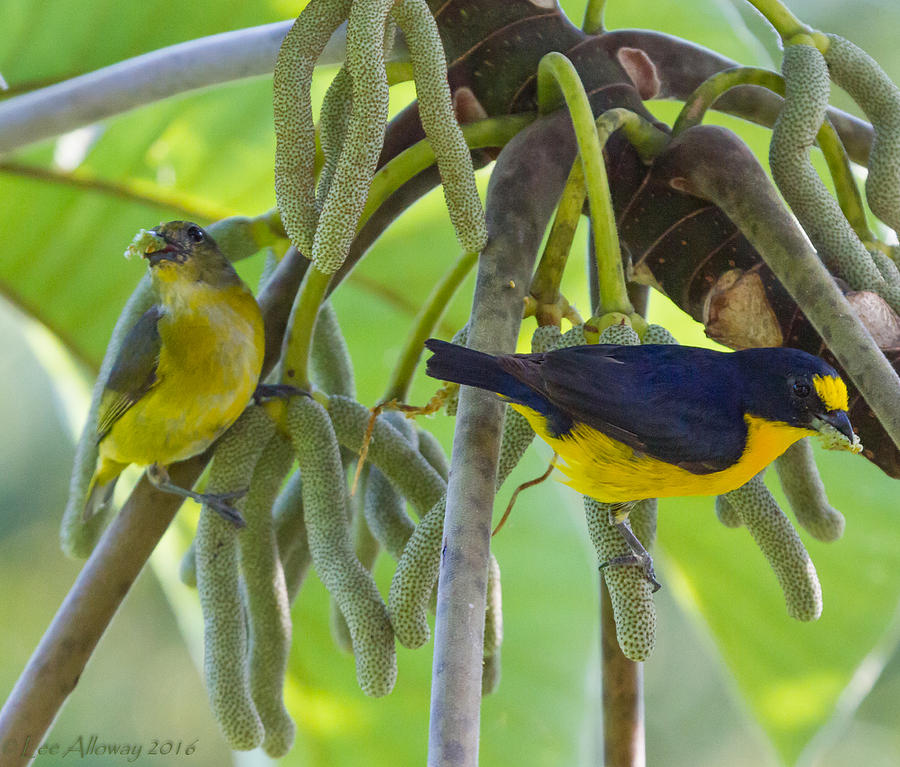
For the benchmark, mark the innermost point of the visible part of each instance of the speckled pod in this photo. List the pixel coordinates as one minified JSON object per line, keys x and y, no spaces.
{"x":726,"y":513}
{"x":630,"y":592}
{"x":335,"y":115}
{"x":415,"y":576}
{"x":290,"y":533}
{"x":389,"y":451}
{"x":493,"y":630}
{"x":218,"y":583}
{"x":268,"y":609}
{"x":657,"y":334}
{"x":622,"y":335}
{"x":330,"y":366}
{"x":781,"y":546}
{"x":295,"y":132}
{"x":806,"y":98}
{"x":868,"y":85}
{"x":805,"y":492}
{"x":433,"y":452}
{"x":324,"y":504}
{"x":454,"y":159}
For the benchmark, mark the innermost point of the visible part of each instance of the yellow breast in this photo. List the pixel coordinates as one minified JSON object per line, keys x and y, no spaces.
{"x":604,"y":468}
{"x":209,"y":365}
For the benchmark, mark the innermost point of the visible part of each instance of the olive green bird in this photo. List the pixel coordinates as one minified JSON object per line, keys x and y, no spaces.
{"x":185,"y":371}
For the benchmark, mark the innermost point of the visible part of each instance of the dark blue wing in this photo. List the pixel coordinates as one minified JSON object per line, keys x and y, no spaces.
{"x":680,"y":404}
{"x":134,"y":372}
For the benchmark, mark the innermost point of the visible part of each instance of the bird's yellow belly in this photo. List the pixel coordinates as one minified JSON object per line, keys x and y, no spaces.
{"x":605,"y":469}
{"x":208,"y":369}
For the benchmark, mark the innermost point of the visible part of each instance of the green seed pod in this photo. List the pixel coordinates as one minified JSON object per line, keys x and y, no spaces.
{"x":493,"y":630}
{"x":331,"y":369}
{"x":657,"y":334}
{"x":886,"y":267}
{"x":545,"y":338}
{"x":868,"y":85}
{"x":218,"y":583}
{"x":727,"y":514}
{"x":805,"y":492}
{"x":415,"y":576}
{"x":295,"y":131}
{"x":324,"y":504}
{"x":389,"y":451}
{"x":268,"y":609}
{"x":343,"y":206}
{"x":290,"y":533}
{"x":454,"y":160}
{"x":631,"y":594}
{"x":574,"y":336}
{"x":517,"y":436}
{"x":806,"y":98}
{"x":433,"y":452}
{"x":781,"y":545}
{"x":367,"y":549}
{"x":643,"y":521}
{"x":335,"y":115}
{"x":619,"y":334}
{"x":79,"y":535}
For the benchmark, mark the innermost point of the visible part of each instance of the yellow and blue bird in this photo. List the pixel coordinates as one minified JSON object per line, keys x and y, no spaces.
{"x":636,"y":422}
{"x":185,"y":371}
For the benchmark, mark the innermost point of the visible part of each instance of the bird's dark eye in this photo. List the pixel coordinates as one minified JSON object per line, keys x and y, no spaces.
{"x":801,"y":389}
{"x":195,"y":233}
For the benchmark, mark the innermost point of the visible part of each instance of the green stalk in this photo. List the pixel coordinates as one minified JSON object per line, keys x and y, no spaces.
{"x":548,"y":275}
{"x":557,"y":74}
{"x":776,"y":13}
{"x":424,"y":324}
{"x":593,"y":17}
{"x":301,"y":324}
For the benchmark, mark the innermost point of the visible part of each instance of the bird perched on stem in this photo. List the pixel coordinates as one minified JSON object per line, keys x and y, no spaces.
{"x":185,"y":371}
{"x":636,"y":422}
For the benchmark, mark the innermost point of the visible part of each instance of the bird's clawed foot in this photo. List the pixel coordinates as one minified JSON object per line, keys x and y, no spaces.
{"x":218,"y":502}
{"x":639,"y":556}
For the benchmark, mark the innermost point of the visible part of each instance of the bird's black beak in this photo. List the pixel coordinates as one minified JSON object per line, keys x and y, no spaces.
{"x":840,"y":421}
{"x":168,"y":253}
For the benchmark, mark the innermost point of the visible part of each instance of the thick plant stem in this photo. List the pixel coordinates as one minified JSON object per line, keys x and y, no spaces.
{"x":525,"y":186}
{"x":623,"y":696}
{"x":424,"y":324}
{"x":753,"y":204}
{"x":302,"y":324}
{"x":593,"y":17}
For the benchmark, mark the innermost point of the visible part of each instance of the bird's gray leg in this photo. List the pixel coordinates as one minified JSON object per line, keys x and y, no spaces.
{"x":638,"y":556}
{"x":159,"y":478}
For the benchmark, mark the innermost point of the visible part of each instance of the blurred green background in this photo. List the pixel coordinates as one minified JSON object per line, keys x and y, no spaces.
{"x":733,"y":679}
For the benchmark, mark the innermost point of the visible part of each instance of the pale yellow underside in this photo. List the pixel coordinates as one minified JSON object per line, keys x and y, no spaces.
{"x":209,"y":365}
{"x":605,"y":469}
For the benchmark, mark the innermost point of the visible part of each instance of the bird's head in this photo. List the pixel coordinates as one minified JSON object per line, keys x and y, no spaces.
{"x":181,"y":251}
{"x":793,"y":387}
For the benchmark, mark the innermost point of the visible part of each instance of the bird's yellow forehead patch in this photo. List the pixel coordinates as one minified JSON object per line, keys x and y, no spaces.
{"x":832,"y":391}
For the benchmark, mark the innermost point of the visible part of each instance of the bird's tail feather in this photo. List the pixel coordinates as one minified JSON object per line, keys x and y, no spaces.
{"x":472,"y":368}
{"x":98,"y":497}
